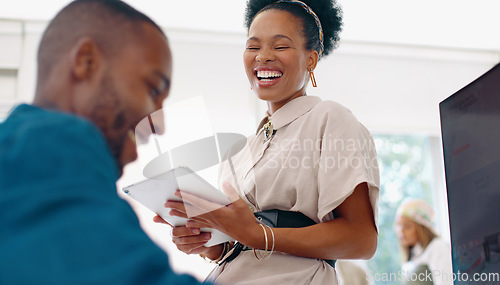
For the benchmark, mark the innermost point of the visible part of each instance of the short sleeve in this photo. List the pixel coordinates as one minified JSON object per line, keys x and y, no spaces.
{"x":347,"y":159}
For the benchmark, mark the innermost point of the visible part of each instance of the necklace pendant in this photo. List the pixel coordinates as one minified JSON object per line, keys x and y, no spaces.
{"x":268,"y":131}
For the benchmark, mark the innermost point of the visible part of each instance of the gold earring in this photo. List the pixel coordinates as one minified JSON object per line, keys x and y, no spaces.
{"x":313,"y":79}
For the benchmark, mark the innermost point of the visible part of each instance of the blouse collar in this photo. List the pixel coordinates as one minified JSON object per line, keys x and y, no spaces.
{"x":290,"y":112}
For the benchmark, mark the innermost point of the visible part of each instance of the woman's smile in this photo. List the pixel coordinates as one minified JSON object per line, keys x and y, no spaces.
{"x":267,"y":76}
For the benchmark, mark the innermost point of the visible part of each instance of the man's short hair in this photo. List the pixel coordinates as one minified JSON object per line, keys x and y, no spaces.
{"x":110,"y":23}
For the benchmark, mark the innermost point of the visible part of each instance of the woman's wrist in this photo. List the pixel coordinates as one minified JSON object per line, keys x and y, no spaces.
{"x":213,"y":252}
{"x":255,"y":237}
{"x":221,"y":249}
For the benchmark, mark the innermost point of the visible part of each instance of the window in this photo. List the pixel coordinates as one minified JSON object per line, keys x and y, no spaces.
{"x":406,"y":171}
{"x":8,"y":90}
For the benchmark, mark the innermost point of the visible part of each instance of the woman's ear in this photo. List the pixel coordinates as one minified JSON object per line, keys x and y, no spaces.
{"x":85,"y":59}
{"x":312,"y":60}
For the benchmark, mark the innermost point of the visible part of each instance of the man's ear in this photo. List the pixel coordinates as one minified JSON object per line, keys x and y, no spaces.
{"x":85,"y":59}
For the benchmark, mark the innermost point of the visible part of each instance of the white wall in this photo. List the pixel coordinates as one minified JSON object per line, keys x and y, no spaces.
{"x":391,"y":88}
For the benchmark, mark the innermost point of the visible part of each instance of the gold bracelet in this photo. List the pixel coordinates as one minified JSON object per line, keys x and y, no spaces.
{"x":272,"y":247}
{"x":265,"y":252}
{"x":224,"y":251}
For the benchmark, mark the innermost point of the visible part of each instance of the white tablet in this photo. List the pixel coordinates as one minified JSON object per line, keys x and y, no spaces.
{"x":154,"y":192}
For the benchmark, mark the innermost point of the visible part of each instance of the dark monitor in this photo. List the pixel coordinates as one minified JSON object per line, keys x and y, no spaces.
{"x":470,"y":127}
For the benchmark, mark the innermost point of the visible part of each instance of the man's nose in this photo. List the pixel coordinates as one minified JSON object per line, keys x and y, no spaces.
{"x":152,"y":124}
{"x":157,"y":121}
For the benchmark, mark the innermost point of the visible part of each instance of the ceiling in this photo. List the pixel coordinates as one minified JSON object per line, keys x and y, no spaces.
{"x":435,"y":23}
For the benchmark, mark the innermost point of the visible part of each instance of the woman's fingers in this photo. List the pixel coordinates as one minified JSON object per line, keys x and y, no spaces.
{"x":192,"y":250}
{"x":187,"y":212}
{"x":185,"y":231}
{"x":232,"y":219}
{"x":194,"y":241}
{"x":193,"y":206}
{"x":197,"y":224}
{"x":177,"y":213}
{"x":190,"y":206}
{"x":160,"y":220}
{"x":176,"y":205}
{"x":190,"y":240}
{"x":178,"y":208}
{"x":198,"y":206}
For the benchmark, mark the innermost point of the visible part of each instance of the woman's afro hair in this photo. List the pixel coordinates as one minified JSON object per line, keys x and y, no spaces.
{"x":328,"y":12}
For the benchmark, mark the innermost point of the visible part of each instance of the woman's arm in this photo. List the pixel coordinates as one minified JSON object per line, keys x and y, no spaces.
{"x":351,"y":235}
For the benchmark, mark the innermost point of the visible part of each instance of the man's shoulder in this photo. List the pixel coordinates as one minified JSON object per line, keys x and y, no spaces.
{"x":53,"y":139}
{"x":28,"y":120}
{"x":32,"y":125}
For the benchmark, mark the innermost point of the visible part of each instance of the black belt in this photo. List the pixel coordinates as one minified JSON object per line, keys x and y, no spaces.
{"x":277,"y":219}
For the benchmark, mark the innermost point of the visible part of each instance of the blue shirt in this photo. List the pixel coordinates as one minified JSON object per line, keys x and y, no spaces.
{"x":61,"y":220}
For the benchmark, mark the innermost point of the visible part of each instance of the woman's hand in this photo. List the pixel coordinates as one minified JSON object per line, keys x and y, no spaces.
{"x":191,"y":240}
{"x":235,"y":219}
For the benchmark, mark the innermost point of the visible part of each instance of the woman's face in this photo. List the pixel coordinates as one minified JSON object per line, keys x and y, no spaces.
{"x":406,"y":229}
{"x":276,"y":60}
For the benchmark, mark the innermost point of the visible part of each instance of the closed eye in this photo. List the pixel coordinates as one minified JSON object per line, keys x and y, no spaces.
{"x":154,"y":91}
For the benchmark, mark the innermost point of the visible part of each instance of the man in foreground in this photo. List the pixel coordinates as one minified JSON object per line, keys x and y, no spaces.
{"x":102,"y":67}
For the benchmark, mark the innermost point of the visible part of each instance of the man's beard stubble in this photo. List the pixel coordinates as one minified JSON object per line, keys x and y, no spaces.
{"x":108,"y":115}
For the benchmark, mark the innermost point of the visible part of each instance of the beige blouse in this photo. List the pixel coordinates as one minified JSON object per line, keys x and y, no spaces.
{"x":319,"y":153}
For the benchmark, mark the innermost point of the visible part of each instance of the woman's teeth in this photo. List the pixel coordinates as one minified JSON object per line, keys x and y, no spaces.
{"x":268,"y":75}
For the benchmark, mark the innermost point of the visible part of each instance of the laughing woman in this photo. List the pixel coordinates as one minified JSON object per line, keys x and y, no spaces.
{"x":310,"y":172}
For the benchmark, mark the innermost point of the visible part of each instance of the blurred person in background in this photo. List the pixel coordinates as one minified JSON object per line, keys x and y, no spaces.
{"x":420,"y":246}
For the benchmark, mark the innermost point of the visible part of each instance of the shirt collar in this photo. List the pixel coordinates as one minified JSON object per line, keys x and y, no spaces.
{"x":290,"y":112}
